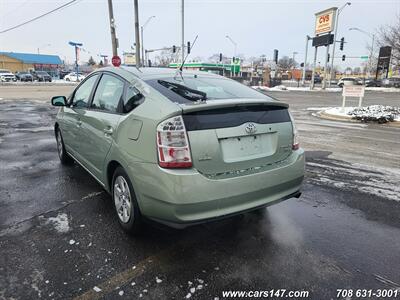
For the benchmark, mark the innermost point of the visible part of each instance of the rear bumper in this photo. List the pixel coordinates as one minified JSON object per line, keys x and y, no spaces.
{"x":184,"y":197}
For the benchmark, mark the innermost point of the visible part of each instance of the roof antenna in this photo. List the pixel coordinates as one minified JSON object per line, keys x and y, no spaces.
{"x":180,"y":69}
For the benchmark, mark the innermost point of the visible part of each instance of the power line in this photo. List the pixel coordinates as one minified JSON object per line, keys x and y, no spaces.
{"x":39,"y":17}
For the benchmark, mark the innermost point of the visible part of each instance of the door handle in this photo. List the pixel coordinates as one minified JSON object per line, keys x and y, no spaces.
{"x":108,"y":131}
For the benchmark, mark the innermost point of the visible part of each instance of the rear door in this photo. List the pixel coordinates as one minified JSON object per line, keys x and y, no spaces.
{"x":99,"y":124}
{"x":240,"y":138}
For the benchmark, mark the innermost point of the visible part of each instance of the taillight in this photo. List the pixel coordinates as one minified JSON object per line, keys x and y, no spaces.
{"x":172,"y":144}
{"x":296,"y":142}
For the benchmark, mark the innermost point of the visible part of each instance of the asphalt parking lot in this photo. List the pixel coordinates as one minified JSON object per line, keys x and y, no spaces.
{"x":60,"y":238}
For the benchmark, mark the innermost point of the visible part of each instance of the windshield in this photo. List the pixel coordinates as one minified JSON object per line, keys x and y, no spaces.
{"x":198,"y":86}
{"x":41,"y":73}
{"x":4,"y":72}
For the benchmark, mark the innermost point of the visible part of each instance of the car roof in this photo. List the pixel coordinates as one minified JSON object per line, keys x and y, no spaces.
{"x":154,"y":73}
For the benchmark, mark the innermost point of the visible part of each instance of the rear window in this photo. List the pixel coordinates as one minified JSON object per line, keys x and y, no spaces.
{"x":215,"y":88}
{"x":235,"y":116}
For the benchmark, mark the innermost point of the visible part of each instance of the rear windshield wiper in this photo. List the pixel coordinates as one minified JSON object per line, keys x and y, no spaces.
{"x":184,"y":91}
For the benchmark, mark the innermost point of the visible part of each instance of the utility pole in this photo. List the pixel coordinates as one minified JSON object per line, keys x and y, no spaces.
{"x":137,"y":36}
{"x":326,"y":68}
{"x":183,"y":29}
{"x":303,"y":78}
{"x":114,"y":40}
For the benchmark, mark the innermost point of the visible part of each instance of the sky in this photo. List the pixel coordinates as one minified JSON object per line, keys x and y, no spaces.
{"x":257,"y":27}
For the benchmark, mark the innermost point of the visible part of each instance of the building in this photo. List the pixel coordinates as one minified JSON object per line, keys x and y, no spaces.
{"x":16,"y":62}
{"x":217,"y":68}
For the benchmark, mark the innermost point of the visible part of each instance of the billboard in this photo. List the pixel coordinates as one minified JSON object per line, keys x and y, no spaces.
{"x":325,"y":21}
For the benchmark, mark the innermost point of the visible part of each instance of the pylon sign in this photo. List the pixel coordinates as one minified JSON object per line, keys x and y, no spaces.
{"x":325,"y":21}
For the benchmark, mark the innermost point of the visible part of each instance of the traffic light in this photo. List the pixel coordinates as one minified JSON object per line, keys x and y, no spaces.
{"x":173,"y":49}
{"x":220,"y":57}
{"x":275,"y":55}
{"x":343,"y":57}
{"x":188,"y":47}
{"x":302,"y":65}
{"x":233,"y":59}
{"x":329,"y":56}
{"x":341,"y":43}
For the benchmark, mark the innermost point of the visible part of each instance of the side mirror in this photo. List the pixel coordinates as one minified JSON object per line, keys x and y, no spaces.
{"x":59,"y":101}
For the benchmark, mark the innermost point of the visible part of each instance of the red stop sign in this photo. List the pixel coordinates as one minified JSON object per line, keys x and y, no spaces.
{"x":116,"y":61}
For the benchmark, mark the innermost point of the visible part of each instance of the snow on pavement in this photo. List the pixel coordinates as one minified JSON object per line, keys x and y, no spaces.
{"x":353,"y":176}
{"x":60,"y":222}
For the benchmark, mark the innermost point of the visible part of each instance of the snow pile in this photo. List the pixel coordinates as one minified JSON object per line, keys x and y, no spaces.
{"x":377,"y":113}
{"x":265,"y":88}
{"x":339,"y":111}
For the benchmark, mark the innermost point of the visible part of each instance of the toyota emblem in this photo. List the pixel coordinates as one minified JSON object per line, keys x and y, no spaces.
{"x":250,"y":128}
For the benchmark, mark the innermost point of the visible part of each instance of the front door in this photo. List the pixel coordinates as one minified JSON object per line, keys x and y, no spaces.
{"x":99,"y":123}
{"x":72,"y":118}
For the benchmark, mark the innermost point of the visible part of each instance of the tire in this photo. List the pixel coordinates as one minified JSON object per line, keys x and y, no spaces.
{"x":67,"y":79}
{"x":62,"y":153}
{"x":125,"y":202}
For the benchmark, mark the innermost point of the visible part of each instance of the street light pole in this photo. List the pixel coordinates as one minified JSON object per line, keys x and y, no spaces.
{"x":294,"y":56}
{"x":234,"y":52}
{"x":334,"y":38}
{"x":305,"y":60}
{"x":234,"y":44}
{"x":141,"y":31}
{"x":43,"y":46}
{"x":372,"y":36}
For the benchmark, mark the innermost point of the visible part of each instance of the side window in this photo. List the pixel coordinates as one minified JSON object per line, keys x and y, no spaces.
{"x":82,"y":94}
{"x":133,"y":98}
{"x":108,"y":94}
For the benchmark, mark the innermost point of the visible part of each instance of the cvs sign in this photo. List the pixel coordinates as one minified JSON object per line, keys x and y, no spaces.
{"x":325,"y":21}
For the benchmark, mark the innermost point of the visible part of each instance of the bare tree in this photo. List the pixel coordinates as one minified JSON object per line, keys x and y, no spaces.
{"x":165,"y":58}
{"x":389,"y":35}
{"x":286,"y":63}
{"x":215,"y":59}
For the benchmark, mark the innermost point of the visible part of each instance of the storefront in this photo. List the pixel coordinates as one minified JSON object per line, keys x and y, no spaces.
{"x":17,"y":62}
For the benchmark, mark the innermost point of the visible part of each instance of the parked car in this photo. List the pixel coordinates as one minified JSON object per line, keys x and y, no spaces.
{"x":317,"y":79}
{"x":41,"y":76}
{"x":391,"y":82}
{"x":354,"y":80}
{"x":24,"y":76}
{"x":372,"y":82}
{"x":6,"y":76}
{"x":72,"y":77}
{"x":179,"y":148}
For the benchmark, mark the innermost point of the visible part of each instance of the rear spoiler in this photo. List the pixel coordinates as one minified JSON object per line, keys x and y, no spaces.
{"x":211,"y":104}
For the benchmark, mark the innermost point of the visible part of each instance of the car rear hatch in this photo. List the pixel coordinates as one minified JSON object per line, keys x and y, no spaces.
{"x":238,"y":136}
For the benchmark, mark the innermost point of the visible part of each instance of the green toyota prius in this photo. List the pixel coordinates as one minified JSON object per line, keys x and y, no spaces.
{"x":179,"y":148}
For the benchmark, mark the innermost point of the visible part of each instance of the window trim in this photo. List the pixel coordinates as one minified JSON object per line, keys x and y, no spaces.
{"x":95,"y":90}
{"x":126,"y":85}
{"x":71,"y":100}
